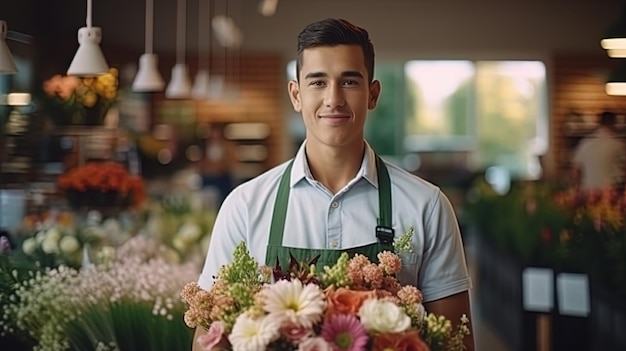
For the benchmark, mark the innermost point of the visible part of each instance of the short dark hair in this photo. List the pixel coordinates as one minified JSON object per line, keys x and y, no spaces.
{"x":331,"y":32}
{"x":608,"y":118}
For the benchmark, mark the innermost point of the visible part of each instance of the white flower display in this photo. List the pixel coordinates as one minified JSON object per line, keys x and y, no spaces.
{"x":60,"y":307}
{"x":186,"y":236}
{"x":29,"y":246}
{"x":69,"y":244}
{"x":383,"y":317}
{"x":189,"y":232}
{"x":50,"y":245}
{"x":53,"y":234}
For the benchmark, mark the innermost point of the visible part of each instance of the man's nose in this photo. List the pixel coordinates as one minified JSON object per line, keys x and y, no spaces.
{"x":334,"y":96}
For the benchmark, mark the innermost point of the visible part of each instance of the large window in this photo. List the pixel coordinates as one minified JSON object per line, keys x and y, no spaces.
{"x":495,"y":111}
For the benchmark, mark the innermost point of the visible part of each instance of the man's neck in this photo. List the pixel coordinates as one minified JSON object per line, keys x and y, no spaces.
{"x":334,"y":167}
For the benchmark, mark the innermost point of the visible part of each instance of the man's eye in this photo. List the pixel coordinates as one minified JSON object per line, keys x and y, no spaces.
{"x":350,"y":82}
{"x":316,"y":83}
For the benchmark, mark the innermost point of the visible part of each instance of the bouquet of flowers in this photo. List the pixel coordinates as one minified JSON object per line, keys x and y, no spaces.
{"x":72,"y":100}
{"x":354,"y":305}
{"x":102,"y":184}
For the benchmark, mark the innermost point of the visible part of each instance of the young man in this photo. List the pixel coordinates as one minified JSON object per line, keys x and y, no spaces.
{"x":336,"y":194}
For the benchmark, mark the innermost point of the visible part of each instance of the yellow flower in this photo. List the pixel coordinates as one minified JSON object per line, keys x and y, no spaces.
{"x":71,"y":96}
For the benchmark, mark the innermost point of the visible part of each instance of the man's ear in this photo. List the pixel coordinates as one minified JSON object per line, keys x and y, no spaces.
{"x":294,"y":95}
{"x":374,"y":94}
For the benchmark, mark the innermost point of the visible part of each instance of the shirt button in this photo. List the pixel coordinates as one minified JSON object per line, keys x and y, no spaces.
{"x":334,"y":204}
{"x":334,"y":244}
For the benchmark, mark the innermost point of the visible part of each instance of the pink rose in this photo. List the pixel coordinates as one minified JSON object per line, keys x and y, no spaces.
{"x":295,"y":333}
{"x":214,"y":337}
{"x":314,"y":344}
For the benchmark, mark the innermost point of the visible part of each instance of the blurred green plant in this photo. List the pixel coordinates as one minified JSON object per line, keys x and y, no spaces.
{"x":545,"y":224}
{"x":181,"y":226}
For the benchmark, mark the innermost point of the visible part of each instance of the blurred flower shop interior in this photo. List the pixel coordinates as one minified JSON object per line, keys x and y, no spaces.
{"x":116,"y":152}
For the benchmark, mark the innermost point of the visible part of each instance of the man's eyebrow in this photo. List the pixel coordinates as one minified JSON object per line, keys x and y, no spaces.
{"x":315,"y":75}
{"x":356,"y":74}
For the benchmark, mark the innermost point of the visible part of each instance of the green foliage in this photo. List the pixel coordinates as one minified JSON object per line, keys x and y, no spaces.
{"x":524,"y":222}
{"x":384,"y":125}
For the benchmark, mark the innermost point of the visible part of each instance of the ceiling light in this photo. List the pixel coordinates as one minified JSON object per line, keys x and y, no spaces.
{"x":201,"y":85}
{"x":617,"y":53}
{"x":180,"y":86}
{"x":202,"y":82}
{"x":268,"y":7}
{"x":7,"y":65}
{"x":148,"y":78}
{"x":616,"y":35}
{"x":616,"y":84}
{"x":89,"y":60}
{"x":226,"y":31}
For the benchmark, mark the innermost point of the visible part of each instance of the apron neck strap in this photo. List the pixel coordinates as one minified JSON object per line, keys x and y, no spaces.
{"x":277,"y":228}
{"x":384,"y":194}
{"x":279,"y":216}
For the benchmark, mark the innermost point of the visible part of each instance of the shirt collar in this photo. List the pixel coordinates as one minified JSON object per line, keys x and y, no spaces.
{"x":300,"y":169}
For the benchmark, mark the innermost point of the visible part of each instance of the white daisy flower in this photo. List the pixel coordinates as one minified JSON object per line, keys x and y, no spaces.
{"x":252,"y":334}
{"x":290,"y":300}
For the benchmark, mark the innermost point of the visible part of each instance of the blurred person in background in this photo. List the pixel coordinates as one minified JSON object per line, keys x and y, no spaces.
{"x":599,"y":158}
{"x":218,"y":163}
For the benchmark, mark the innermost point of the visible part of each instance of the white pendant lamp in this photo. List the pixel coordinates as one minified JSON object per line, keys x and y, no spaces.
{"x":180,"y":85}
{"x":89,"y":60}
{"x":148,"y":78}
{"x":7,"y":65}
{"x":616,"y":84}
{"x":201,"y":85}
{"x":614,"y":42}
{"x":268,"y":7}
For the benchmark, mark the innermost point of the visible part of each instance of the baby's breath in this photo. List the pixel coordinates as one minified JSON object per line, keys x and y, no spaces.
{"x":57,"y":305}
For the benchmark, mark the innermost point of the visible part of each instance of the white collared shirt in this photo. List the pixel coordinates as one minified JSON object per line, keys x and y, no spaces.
{"x":601,"y":157}
{"x":318,"y":219}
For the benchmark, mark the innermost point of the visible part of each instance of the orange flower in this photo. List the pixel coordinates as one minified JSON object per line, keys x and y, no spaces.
{"x":407,"y":341}
{"x":345,"y":301}
{"x":105,"y":177}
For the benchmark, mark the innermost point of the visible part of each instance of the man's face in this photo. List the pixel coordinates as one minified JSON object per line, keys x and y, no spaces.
{"x":334,"y":94}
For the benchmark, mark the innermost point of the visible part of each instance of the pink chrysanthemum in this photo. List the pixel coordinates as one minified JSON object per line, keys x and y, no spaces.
{"x":345,"y":332}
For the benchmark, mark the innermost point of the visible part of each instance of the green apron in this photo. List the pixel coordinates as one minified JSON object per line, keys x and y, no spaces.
{"x":328,"y":257}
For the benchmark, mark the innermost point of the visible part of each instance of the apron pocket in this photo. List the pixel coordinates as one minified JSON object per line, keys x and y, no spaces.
{"x":408,"y":258}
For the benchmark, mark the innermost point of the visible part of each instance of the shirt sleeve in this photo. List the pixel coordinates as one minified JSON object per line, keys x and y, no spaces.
{"x":228,"y":231}
{"x":443,"y":271}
